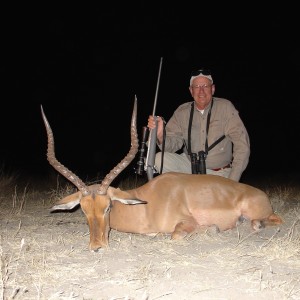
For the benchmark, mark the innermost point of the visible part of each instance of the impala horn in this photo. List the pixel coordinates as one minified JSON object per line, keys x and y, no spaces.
{"x":109,"y":177}
{"x":127,"y":159}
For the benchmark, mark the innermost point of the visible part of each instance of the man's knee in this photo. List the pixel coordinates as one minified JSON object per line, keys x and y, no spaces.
{"x":158,"y":159}
{"x":171,"y":162}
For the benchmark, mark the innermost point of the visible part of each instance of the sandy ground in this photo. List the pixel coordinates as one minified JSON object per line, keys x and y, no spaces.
{"x":45,"y":256}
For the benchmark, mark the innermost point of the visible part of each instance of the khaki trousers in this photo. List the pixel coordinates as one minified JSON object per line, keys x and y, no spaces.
{"x":174,"y":162}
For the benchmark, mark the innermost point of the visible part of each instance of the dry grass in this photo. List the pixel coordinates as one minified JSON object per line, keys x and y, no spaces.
{"x":45,"y":256}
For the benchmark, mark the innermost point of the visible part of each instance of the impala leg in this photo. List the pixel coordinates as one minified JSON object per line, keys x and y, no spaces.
{"x":184,"y":228}
{"x":272,"y":220}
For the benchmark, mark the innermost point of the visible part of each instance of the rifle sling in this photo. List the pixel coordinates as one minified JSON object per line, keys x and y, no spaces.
{"x":163,"y":147}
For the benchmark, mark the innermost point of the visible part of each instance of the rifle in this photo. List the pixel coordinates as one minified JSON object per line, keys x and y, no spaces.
{"x":153,"y":134}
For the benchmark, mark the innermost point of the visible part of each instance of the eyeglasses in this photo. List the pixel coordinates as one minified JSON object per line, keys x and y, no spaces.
{"x":201,"y":71}
{"x":203,"y":86}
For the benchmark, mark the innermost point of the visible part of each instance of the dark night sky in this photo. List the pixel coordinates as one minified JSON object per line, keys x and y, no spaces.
{"x":86,"y":64}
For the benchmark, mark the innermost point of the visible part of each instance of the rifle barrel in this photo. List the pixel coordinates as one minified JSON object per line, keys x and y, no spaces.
{"x":157,"y":87}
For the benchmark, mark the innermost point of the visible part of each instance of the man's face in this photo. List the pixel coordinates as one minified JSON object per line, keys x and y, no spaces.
{"x":202,"y":91}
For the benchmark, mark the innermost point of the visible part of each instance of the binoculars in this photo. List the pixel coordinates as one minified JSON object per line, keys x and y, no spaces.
{"x":198,"y":162}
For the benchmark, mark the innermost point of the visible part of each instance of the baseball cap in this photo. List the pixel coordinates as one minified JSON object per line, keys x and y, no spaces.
{"x":201,"y":72}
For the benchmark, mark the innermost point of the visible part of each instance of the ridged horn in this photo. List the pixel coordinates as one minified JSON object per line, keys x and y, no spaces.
{"x":57,"y":165}
{"x":127,"y":159}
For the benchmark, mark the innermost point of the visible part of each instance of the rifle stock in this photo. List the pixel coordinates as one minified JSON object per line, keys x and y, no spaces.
{"x":151,"y":152}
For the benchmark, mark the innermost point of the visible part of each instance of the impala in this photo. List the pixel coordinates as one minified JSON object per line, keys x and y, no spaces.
{"x":173,"y":203}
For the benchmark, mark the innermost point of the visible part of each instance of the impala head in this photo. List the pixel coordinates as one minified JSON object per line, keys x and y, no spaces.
{"x":95,"y":200}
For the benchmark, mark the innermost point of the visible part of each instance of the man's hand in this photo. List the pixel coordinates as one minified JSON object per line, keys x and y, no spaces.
{"x":160,"y":127}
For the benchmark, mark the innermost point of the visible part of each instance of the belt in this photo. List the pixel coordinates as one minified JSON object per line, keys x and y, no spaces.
{"x":219,"y":169}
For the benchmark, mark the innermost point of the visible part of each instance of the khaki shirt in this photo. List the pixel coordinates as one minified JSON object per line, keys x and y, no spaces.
{"x":234,"y":149}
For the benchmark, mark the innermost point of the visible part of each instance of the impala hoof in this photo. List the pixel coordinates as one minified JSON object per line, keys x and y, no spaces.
{"x":240,"y":220}
{"x":213,"y":229}
{"x":257,"y":225}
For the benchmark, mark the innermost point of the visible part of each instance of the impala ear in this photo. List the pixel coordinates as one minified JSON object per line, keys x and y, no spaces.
{"x":129,"y":201}
{"x":68,"y":202}
{"x":116,"y":194}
